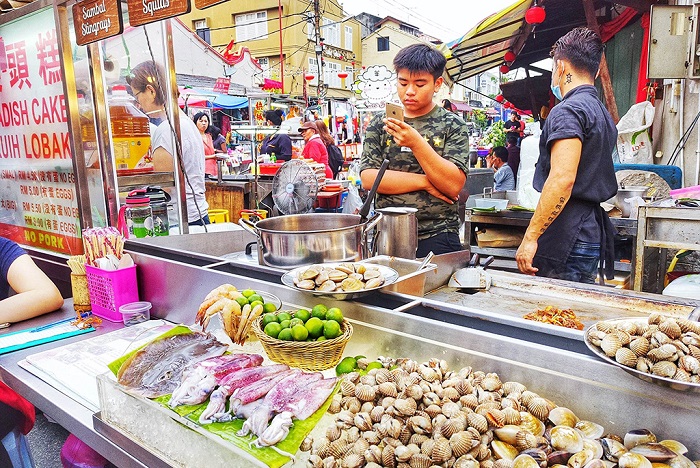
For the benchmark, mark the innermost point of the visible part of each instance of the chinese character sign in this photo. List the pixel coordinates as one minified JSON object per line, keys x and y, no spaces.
{"x":38,"y":205}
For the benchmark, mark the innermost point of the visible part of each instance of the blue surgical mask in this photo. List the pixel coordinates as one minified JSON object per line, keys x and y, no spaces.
{"x":556,"y":89}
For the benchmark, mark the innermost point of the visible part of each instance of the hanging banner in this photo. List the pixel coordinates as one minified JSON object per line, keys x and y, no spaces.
{"x":96,"y":19}
{"x":147,"y":11}
{"x":38,"y":205}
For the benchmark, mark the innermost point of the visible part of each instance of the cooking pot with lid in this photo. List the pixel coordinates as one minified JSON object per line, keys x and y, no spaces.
{"x":304,"y":239}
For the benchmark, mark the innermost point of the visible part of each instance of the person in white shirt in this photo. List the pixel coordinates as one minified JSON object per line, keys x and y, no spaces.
{"x":145,"y":85}
{"x":503,"y":179}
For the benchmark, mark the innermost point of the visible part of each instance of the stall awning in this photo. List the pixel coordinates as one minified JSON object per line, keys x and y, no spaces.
{"x":197,"y":97}
{"x":269,"y":84}
{"x":482,"y":48}
{"x":461,"y":106}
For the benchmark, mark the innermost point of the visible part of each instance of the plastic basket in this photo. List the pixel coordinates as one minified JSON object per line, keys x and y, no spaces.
{"x":110,"y":289}
{"x":218,"y":216}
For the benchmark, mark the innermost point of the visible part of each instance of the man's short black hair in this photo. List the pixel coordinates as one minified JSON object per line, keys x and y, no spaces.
{"x":501,"y":153}
{"x":421,"y":58}
{"x":512,"y":139}
{"x":581,"y":47}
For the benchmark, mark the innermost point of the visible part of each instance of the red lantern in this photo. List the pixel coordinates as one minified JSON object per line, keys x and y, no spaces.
{"x":309,"y":77}
{"x":342,"y":75}
{"x":499,"y":98}
{"x":504,"y":68}
{"x":535,"y":15}
{"x":509,"y":56}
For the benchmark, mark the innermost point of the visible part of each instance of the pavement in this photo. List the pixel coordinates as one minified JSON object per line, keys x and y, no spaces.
{"x":45,"y":442}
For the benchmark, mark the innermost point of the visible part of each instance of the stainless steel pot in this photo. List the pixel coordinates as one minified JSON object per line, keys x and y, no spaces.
{"x":304,"y":239}
{"x":398,"y":232}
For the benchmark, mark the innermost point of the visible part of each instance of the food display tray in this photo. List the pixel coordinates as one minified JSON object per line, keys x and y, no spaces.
{"x":390,"y":276}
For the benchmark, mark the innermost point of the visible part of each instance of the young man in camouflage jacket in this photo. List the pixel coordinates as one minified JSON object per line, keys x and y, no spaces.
{"x":428,"y":153}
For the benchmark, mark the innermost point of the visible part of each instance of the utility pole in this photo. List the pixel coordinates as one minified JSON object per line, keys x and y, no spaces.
{"x":321,"y":89}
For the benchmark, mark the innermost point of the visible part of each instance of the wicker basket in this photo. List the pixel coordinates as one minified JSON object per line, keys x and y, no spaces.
{"x":306,"y":355}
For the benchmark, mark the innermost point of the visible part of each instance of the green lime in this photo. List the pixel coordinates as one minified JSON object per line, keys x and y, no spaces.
{"x":284,"y":316}
{"x":345,"y":366}
{"x":360,"y":356}
{"x":319,"y":311}
{"x":331,"y":329}
{"x":254,"y":304}
{"x":334,"y":314}
{"x":247,"y":292}
{"x":315,"y":327}
{"x":299,"y":332}
{"x":269,"y":307}
{"x":268,"y":318}
{"x":321,"y":338}
{"x":295,"y":321}
{"x":374,"y":365}
{"x":273,"y":329}
{"x":302,"y":314}
{"x":285,"y":323}
{"x":255,"y":297}
{"x":285,"y":334}
{"x":242,"y":300}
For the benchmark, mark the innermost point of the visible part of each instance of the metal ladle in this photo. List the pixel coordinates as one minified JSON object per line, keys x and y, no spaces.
{"x":364,"y":211}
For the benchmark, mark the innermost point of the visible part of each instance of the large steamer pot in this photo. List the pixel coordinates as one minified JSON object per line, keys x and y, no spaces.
{"x":295,"y":240}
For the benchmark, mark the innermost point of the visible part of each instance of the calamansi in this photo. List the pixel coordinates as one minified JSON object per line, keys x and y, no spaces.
{"x":302,"y":314}
{"x":331,"y":329}
{"x":269,"y":307}
{"x":319,"y":310}
{"x":346,"y":366}
{"x":285,"y":334}
{"x":273,"y":329}
{"x":315,"y":327}
{"x":334,"y":314}
{"x":267,"y":318}
{"x":299,"y":333}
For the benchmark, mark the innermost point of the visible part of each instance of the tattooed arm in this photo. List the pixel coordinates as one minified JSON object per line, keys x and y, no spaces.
{"x":555,"y":194}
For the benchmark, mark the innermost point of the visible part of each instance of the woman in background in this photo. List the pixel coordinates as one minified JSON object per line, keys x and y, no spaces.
{"x":218,"y":140}
{"x":315,"y":148}
{"x":201,"y":119}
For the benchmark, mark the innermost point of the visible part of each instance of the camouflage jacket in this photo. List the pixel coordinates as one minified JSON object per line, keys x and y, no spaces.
{"x":449,"y":137}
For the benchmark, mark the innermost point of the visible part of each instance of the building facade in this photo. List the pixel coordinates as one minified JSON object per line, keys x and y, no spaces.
{"x":271,"y":29}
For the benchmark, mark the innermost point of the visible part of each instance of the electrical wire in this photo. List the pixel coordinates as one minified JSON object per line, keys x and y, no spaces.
{"x":682,"y":141}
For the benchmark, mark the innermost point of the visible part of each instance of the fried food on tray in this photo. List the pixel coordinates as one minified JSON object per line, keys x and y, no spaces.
{"x":564,"y":318}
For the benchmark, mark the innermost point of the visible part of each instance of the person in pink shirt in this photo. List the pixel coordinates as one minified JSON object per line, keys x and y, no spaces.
{"x":202,"y":121}
{"x":315,"y":148}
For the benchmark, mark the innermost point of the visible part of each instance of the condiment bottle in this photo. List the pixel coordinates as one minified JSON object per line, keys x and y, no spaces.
{"x":131,"y":138}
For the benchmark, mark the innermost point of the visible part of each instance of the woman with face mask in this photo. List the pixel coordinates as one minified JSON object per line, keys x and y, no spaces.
{"x":201,"y":119}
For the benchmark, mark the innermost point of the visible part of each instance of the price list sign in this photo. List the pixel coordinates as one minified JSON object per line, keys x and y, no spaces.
{"x":38,"y":205}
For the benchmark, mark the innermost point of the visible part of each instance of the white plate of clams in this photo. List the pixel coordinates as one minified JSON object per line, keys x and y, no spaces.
{"x":659,"y":349}
{"x":340,"y":280}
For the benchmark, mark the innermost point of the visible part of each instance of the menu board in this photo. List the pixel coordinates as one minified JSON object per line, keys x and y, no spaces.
{"x":38,"y":205}
{"x":147,"y":11}
{"x":96,"y":19}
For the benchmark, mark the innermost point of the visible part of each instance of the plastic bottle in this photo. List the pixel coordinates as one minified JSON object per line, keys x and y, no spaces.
{"x":131,"y":137}
{"x":159,"y":199}
{"x":273,"y":158}
{"x":139,"y":216}
{"x":87,"y":124}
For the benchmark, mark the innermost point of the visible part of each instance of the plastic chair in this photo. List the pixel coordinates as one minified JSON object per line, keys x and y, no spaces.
{"x":17,"y":447}
{"x":218,"y":216}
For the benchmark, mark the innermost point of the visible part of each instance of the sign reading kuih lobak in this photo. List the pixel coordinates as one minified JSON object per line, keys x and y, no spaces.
{"x":96,"y":19}
{"x":147,"y":11}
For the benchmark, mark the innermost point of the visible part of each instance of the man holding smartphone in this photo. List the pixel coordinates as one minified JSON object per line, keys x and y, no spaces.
{"x":428,"y":153}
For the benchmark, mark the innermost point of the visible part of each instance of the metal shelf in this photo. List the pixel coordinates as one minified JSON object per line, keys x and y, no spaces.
{"x":163,"y":179}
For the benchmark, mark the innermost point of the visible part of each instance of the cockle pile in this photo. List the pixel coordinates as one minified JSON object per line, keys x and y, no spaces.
{"x":420,"y":415}
{"x":663,"y":346}
{"x":236,"y":320}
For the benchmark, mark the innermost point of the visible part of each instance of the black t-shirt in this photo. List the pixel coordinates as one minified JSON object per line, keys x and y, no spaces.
{"x":580,"y":115}
{"x":9,"y":252}
{"x":511,"y":123}
{"x":280,"y":144}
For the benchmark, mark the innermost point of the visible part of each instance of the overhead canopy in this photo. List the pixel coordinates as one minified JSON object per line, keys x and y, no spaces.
{"x":461,"y":106}
{"x":196,"y":97}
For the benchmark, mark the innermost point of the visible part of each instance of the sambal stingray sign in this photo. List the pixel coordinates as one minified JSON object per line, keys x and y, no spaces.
{"x":96,"y":19}
{"x":147,"y":11}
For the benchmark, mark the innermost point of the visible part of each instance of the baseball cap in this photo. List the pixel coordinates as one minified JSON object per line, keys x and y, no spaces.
{"x":306,"y":125}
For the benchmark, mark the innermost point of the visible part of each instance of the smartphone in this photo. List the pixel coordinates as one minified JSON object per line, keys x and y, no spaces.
{"x":394,"y":111}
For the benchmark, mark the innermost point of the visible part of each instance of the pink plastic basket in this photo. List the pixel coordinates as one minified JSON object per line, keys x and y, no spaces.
{"x":110,"y":289}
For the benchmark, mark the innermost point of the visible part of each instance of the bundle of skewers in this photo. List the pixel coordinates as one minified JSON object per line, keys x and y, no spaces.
{"x":104,"y":248}
{"x":81,"y":298}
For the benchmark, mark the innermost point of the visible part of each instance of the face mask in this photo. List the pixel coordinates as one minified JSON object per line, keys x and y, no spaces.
{"x":556,"y":89}
{"x":156,"y":120}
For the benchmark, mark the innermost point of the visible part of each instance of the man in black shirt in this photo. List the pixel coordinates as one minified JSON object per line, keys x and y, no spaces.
{"x":513,"y":155}
{"x":512,"y":126}
{"x":570,"y":236}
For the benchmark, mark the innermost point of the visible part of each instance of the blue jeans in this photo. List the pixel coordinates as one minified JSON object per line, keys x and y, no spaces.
{"x":444,"y":242}
{"x":582,"y":264}
{"x":201,"y":221}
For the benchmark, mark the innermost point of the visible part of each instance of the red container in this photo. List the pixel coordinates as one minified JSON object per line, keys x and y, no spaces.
{"x":269,"y":168}
{"x":329,"y":200}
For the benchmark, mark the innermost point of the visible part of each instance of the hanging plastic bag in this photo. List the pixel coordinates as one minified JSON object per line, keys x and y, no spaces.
{"x":633,"y":140}
{"x":353,"y":202}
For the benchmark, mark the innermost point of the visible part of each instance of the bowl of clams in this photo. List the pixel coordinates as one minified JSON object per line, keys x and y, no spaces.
{"x":340,"y":280}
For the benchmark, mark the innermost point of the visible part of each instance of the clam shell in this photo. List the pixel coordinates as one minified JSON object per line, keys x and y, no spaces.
{"x":402,"y":453}
{"x":626,"y":357}
{"x":388,"y":389}
{"x":525,"y":461}
{"x":347,"y":388}
{"x":374,"y":283}
{"x":376,"y":413}
{"x":353,"y":460}
{"x":338,"y":448}
{"x":675,"y":446}
{"x":441,"y":451}
{"x":469,"y":401}
{"x":420,"y":460}
{"x":662,"y":353}
{"x":524,"y":440}
{"x":511,"y":387}
{"x":531,"y":424}
{"x":365,"y":392}
{"x":689,"y":364}
{"x":337,"y":275}
{"x":373,"y":454}
{"x":307,"y":284}
{"x":505,"y":450}
{"x":327,"y":286}
{"x":633,"y":460}
{"x":579,"y":459}
{"x":664,"y":369}
{"x":388,"y":458}
{"x":511,"y":416}
{"x":670,"y":328}
{"x":478,"y":422}
{"x":654,"y":452}
{"x":452,"y":426}
{"x":462,"y":442}
{"x":370,"y":274}
{"x":612,"y":449}
{"x":363,"y":422}
{"x":414,"y":391}
{"x":333,"y":433}
{"x":321,"y":278}
{"x":405,"y":406}
{"x":503,"y":463}
{"x":309,"y":274}
{"x":451,"y":409}
{"x":351,"y":404}
{"x":491,"y":382}
{"x":640,"y":346}
{"x":346,"y":268}
{"x":451,"y":393}
{"x":610,"y":344}
{"x":562,"y":416}
{"x":594,"y":447}
{"x":539,"y":455}
{"x":367,"y":406}
{"x":306,"y":444}
{"x":527,"y":396}
{"x":638,"y":436}
{"x":334,"y":407}
{"x":351,"y":285}
{"x":566,"y":438}
{"x":689,"y":326}
{"x":467,"y":461}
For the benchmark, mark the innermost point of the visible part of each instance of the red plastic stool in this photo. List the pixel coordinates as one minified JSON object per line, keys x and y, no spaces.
{"x":77,"y":454}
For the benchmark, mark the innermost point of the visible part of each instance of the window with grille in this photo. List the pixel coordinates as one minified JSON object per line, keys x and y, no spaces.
{"x":251,"y":26}
{"x":264,"y":63}
{"x":348,"y":37}
{"x":382,"y":44}
{"x":201,"y":27}
{"x":330,"y":75}
{"x":330,"y":31}
{"x":313,"y":70}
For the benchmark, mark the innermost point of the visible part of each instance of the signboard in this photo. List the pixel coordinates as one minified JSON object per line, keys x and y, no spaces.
{"x":202,"y":4}
{"x":38,"y":205}
{"x":147,"y":11}
{"x":222,"y":85}
{"x":96,"y":19}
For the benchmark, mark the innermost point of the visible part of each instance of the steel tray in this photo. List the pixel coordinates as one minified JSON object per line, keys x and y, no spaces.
{"x":658,"y":380}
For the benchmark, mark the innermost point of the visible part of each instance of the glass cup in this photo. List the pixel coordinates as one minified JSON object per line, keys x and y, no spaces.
{"x":81,"y":296}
